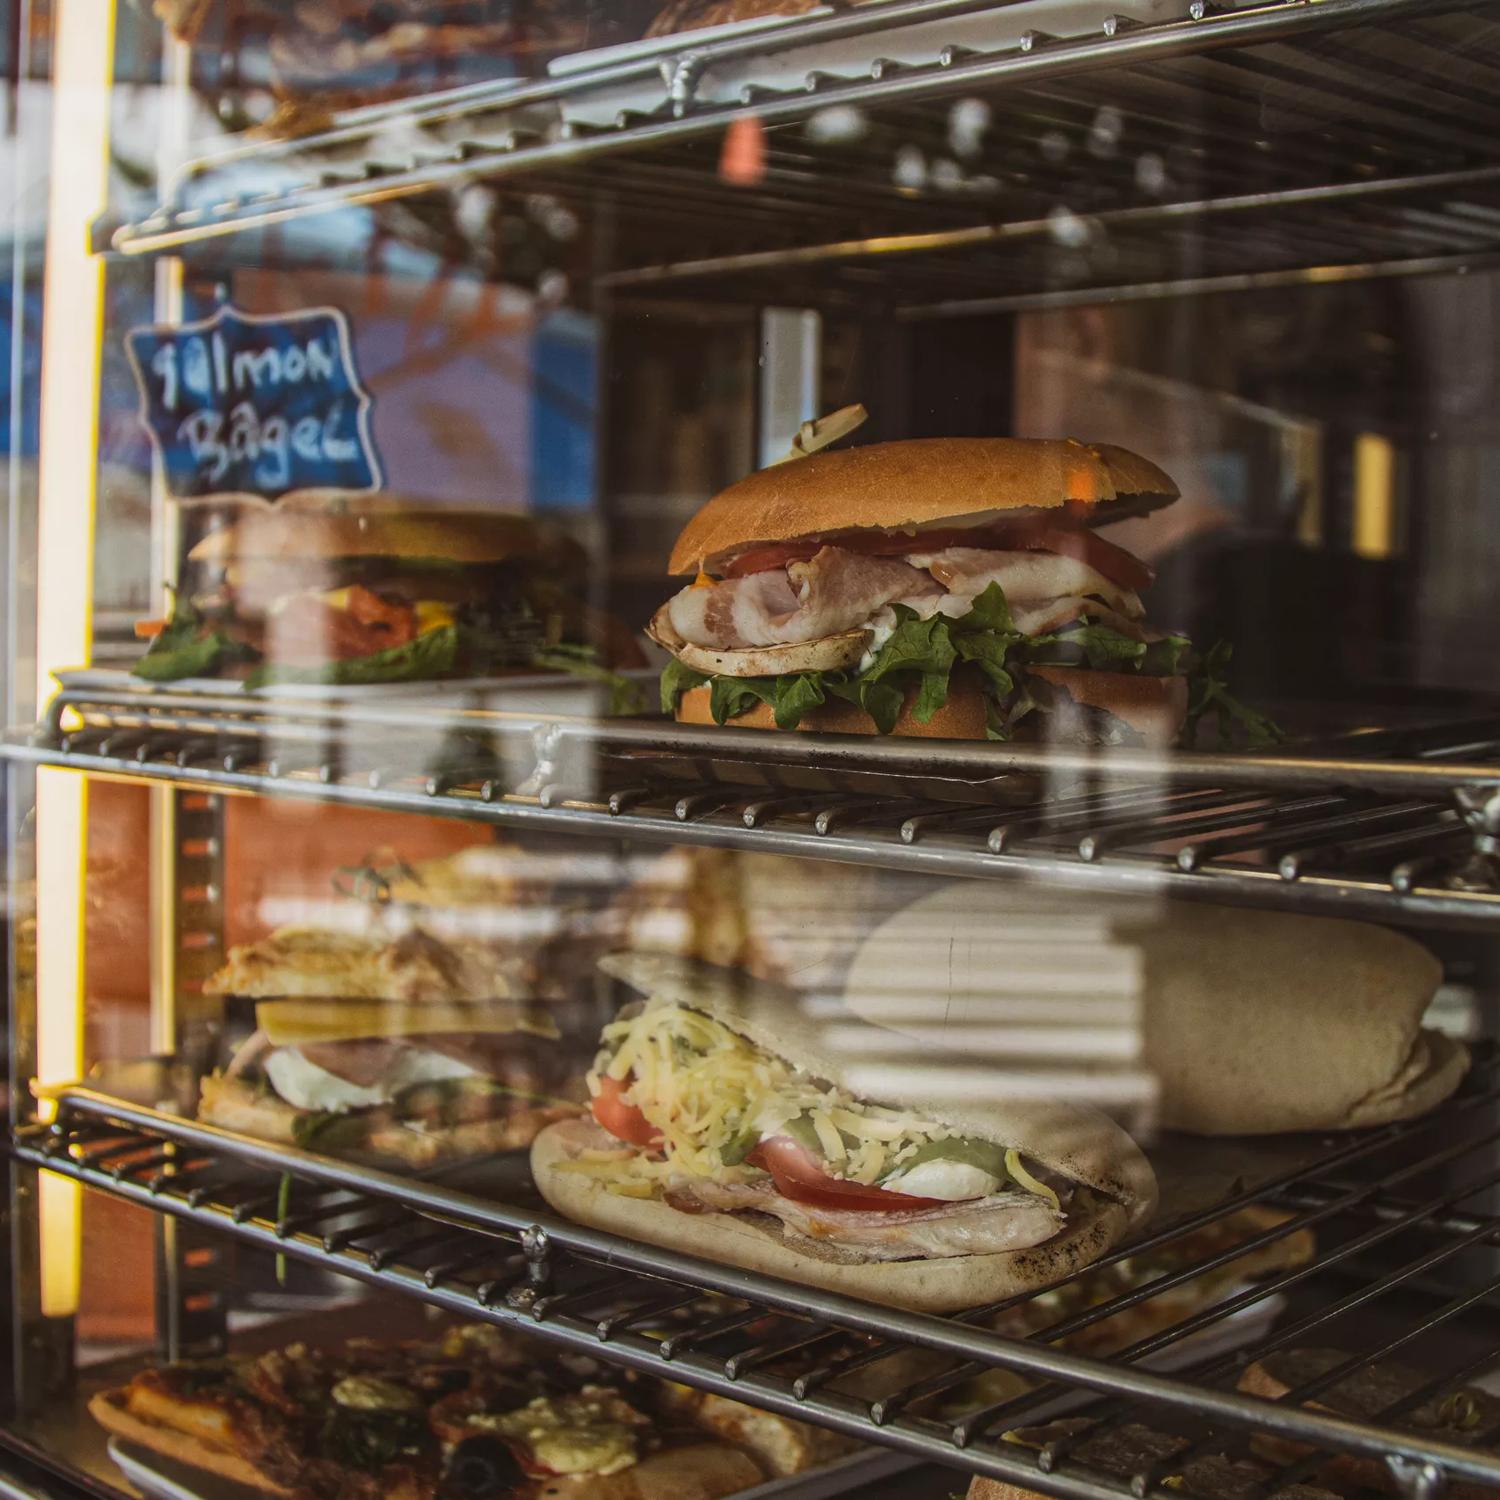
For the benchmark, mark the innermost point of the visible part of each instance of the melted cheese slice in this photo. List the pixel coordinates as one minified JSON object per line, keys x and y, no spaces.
{"x":290,"y":1023}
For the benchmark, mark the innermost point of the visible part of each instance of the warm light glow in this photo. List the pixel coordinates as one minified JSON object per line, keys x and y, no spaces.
{"x":72,"y":331}
{"x":62,"y":1244}
{"x":1374,"y":496}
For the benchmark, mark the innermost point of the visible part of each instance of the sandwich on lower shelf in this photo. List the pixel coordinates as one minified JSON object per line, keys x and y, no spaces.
{"x":477,"y":1412}
{"x":403,"y":1049}
{"x":1090,"y":1295}
{"x":1386,"y":1392}
{"x":952,"y":587}
{"x":722,"y":1126}
{"x":372,"y":590}
{"x":1131,"y":1448}
{"x":694,"y":15}
{"x":1128,"y":1325}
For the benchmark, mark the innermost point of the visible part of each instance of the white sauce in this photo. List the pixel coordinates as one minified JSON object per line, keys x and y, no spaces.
{"x":954,"y":1181}
{"x":307,"y":1086}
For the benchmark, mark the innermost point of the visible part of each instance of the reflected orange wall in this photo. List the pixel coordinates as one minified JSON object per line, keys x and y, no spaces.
{"x":290,"y":849}
{"x":286,"y":849}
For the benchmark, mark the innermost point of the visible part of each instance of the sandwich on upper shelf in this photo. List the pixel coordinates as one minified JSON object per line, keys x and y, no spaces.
{"x":476,"y":1411}
{"x":339,"y":589}
{"x":329,"y":55}
{"x":388,"y":1044}
{"x":694,"y":15}
{"x":952,"y":587}
{"x":722,"y":1125}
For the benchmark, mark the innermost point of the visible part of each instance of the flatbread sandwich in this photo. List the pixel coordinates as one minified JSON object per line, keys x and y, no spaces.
{"x":723,"y":1127}
{"x":401,"y":1048}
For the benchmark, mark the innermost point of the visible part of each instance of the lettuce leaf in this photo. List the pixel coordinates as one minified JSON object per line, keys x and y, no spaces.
{"x":795,"y":695}
{"x":916,"y":648}
{"x":1208,"y":692}
{"x":676,"y":680}
{"x":188,"y":647}
{"x":729,"y":697}
{"x":990,"y":611}
{"x":921,"y":654}
{"x":1171,"y":657}
{"x":625,"y":696}
{"x":429,"y":656}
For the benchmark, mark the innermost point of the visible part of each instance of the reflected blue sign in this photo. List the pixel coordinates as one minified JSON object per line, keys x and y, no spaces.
{"x":259,"y":404}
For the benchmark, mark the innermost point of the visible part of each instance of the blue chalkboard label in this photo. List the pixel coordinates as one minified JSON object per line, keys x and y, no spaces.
{"x":258,"y":404}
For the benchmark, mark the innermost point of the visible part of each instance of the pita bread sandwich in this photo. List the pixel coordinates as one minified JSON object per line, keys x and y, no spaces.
{"x":723,"y":1126}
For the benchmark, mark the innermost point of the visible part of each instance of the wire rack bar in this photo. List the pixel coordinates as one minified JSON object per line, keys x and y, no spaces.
{"x":523,"y":1265}
{"x":510,"y":138}
{"x":1386,"y":824}
{"x":125,"y":722}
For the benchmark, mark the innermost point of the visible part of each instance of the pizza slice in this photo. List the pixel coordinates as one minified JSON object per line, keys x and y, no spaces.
{"x":592,"y":1443}
{"x":289,"y":1424}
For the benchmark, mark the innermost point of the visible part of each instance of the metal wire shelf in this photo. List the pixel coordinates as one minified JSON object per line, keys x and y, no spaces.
{"x":1326,"y":134}
{"x":1397,"y":825}
{"x":1420,"y":1192}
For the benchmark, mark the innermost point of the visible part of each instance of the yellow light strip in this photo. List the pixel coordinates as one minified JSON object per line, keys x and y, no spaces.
{"x":83,"y":71}
{"x":1374,"y":495}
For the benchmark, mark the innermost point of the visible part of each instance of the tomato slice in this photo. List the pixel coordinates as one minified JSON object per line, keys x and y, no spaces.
{"x":308,"y":630}
{"x":620,"y":1118}
{"x":798,"y":1175}
{"x":764,"y":559}
{"x":1065,"y":535}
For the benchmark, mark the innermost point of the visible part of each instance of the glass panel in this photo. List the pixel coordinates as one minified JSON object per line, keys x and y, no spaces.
{"x":719,"y":676}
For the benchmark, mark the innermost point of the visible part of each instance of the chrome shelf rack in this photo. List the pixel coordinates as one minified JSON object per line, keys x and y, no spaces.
{"x":1343,"y":139}
{"x":1413,"y":1192}
{"x":1396,"y":825}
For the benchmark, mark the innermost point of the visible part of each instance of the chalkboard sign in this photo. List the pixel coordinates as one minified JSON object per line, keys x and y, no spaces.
{"x":258,"y":404}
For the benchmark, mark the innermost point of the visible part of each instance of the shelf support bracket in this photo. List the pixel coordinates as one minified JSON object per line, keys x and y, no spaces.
{"x":536,"y":1246}
{"x":1479,"y":806}
{"x":1417,"y":1479}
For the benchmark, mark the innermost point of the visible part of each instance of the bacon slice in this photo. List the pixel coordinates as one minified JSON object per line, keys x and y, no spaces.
{"x":1029,"y":579}
{"x":832,"y":592}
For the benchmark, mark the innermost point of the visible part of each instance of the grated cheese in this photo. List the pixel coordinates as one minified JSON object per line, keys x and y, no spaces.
{"x":1014,"y":1166}
{"x":704,"y":1088}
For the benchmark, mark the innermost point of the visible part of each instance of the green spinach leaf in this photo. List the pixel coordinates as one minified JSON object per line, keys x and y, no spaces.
{"x":625,"y":696}
{"x":1208,"y":692}
{"x":429,"y":656}
{"x":676,"y":680}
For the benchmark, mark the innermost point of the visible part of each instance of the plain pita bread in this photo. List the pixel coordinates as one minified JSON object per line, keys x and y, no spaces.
{"x":1253,"y":1022}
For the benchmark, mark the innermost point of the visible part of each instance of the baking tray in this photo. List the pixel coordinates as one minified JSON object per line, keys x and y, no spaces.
{"x":160,"y":1478}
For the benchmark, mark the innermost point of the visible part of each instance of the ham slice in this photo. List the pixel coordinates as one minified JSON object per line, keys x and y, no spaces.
{"x":1060,"y":612}
{"x":364,"y":1062}
{"x":834,"y":591}
{"x":1029,"y":579}
{"x":1004,"y":1221}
